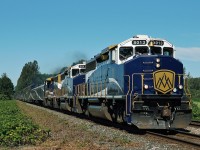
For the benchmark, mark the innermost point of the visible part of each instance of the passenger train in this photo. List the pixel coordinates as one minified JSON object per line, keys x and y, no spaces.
{"x":138,"y":82}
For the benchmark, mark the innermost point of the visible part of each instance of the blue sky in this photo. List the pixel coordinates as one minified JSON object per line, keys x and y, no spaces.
{"x":59,"y":32}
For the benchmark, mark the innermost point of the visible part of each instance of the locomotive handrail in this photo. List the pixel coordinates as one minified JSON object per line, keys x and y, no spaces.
{"x":106,"y":88}
{"x":90,"y":89}
{"x":101,"y":88}
{"x":97,"y":89}
{"x":142,"y":78}
{"x":82,"y":89}
{"x":185,"y":84}
{"x":186,"y":87}
{"x":127,"y":93}
{"x":32,"y":96}
{"x":37,"y":95}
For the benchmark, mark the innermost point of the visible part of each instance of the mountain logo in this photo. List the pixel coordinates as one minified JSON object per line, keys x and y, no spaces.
{"x":164,"y":80}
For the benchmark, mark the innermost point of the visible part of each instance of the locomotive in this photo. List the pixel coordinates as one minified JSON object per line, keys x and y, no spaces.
{"x":138,"y":82}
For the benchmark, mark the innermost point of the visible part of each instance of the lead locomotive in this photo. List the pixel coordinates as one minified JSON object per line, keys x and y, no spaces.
{"x":137,"y":81}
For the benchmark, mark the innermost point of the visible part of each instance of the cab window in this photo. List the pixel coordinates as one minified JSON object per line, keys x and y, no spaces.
{"x":156,"y":51}
{"x":75,"y":72}
{"x":50,"y":85}
{"x":139,"y":50}
{"x":82,"y":70}
{"x":125,"y":52}
{"x":168,"y":51}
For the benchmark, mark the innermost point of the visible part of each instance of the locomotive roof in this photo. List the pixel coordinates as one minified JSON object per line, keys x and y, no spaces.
{"x":136,"y":37}
{"x":111,"y":47}
{"x":105,"y":50}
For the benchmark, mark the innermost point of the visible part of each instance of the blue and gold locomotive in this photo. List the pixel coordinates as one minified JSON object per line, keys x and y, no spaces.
{"x":137,"y":81}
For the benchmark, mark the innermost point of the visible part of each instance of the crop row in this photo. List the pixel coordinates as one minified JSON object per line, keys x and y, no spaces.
{"x":17,"y":129}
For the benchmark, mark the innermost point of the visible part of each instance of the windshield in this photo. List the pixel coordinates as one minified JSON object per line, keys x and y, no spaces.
{"x":141,"y":50}
{"x":75,"y":72}
{"x":168,"y":51}
{"x":125,"y":52}
{"x":156,"y":51}
{"x":82,"y":70}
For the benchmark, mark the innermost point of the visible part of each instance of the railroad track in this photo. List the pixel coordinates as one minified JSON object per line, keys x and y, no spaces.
{"x":176,"y":135}
{"x":195,"y":123}
{"x":179,"y":136}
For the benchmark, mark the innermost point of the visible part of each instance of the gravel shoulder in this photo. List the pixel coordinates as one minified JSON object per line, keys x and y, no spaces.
{"x":71,"y":132}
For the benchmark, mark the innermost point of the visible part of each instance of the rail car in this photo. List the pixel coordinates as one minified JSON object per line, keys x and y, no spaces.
{"x":138,"y":81}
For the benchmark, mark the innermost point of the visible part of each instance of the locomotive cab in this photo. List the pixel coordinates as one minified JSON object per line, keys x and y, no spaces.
{"x":73,"y":77}
{"x":143,"y":45}
{"x":75,"y":70}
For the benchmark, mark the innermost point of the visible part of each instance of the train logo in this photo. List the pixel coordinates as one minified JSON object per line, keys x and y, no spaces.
{"x":164,"y":81}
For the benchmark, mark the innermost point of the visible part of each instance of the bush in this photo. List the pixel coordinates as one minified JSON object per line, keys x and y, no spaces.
{"x":4,"y":97}
{"x":195,"y":93}
{"x":195,"y":112}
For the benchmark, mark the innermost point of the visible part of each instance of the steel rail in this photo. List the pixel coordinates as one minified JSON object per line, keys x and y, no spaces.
{"x":195,"y":123}
{"x":175,"y":138}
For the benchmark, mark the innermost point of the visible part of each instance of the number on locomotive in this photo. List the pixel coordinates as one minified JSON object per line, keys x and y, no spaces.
{"x":139,"y":42}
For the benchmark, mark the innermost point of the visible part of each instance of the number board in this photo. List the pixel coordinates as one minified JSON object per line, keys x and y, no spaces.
{"x":82,"y":66}
{"x":139,"y":42}
{"x":157,"y":42}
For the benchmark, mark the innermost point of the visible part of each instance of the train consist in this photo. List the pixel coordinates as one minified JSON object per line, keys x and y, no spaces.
{"x":138,"y":82}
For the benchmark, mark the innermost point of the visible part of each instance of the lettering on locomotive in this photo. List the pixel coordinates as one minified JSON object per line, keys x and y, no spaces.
{"x":164,"y":80}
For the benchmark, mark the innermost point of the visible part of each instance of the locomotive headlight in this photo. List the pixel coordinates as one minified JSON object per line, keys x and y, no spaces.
{"x":157,"y":60}
{"x":157,"y":65}
{"x":174,"y":90}
{"x":146,"y":87}
{"x":180,"y":87}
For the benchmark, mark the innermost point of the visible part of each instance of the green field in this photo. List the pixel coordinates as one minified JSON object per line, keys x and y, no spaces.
{"x":197,"y":101}
{"x":196,"y":108}
{"x":16,"y":129}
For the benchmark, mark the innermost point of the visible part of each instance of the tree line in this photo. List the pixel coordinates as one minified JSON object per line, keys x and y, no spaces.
{"x":30,"y":76}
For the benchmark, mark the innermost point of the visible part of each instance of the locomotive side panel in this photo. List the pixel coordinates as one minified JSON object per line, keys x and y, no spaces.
{"x":107,"y":80}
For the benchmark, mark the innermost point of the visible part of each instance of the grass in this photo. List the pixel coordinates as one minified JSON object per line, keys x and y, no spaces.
{"x":196,"y":109}
{"x":196,"y":101}
{"x":17,"y":129}
{"x":73,"y":133}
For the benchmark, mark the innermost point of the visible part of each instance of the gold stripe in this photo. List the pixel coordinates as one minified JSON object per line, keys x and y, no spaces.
{"x":142,"y":76}
{"x":59,"y":78}
{"x":179,"y":79}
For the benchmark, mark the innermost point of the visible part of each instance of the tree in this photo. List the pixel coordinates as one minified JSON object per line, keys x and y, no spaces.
{"x":29,"y":75}
{"x":6,"y":87}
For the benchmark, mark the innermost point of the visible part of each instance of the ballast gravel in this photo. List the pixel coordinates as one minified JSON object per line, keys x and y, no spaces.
{"x":128,"y":141}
